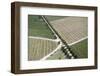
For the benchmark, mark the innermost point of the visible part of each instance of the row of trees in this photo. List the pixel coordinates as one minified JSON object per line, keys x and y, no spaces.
{"x":68,"y":52}
{"x":66,"y":49}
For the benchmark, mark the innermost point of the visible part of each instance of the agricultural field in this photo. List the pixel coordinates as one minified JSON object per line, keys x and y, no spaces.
{"x":81,"y":49}
{"x":42,"y":40}
{"x":38,"y":28}
{"x":71,"y":29}
{"x":38,"y":48}
{"x":52,"y":18}
{"x":58,"y":55}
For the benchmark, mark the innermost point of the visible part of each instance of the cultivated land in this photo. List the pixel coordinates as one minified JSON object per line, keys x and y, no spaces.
{"x":42,"y":40}
{"x":52,"y":18}
{"x":71,"y":29}
{"x":38,"y":48}
{"x":57,"y":55}
{"x":38,"y":28}
{"x":81,"y":49}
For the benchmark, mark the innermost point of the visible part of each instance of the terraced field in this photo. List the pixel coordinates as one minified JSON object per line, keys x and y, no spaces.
{"x":71,"y":29}
{"x":38,"y":48}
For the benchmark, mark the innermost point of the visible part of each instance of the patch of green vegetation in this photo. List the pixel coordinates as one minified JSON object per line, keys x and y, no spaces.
{"x":81,"y":49}
{"x":37,"y":27}
{"x":58,"y":55}
{"x":52,"y":18}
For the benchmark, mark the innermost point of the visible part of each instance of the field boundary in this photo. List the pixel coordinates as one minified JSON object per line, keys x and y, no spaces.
{"x":78,"y":41}
{"x":45,"y":57}
{"x":62,"y":41}
{"x":43,"y":38}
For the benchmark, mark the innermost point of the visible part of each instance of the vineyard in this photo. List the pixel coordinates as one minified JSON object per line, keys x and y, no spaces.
{"x":71,"y":29}
{"x":57,"y":37}
{"x":38,"y":48}
{"x":74,"y":31}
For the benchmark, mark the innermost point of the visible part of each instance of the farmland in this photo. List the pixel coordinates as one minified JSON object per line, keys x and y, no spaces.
{"x":57,"y":55}
{"x":45,"y":33}
{"x":81,"y":49}
{"x":52,"y":18}
{"x":71,"y":29}
{"x":38,"y":28}
{"x":38,"y":48}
